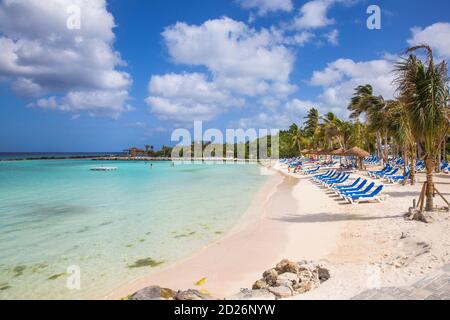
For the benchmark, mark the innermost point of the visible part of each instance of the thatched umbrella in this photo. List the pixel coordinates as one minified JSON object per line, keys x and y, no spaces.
{"x":357,"y":152}
{"x":338,"y":152}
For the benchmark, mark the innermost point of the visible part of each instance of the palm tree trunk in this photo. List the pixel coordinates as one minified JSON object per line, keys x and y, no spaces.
{"x":430,"y":165}
{"x":405,"y":159}
{"x":412,"y":172}
{"x":379,"y":151}
{"x":386,"y":151}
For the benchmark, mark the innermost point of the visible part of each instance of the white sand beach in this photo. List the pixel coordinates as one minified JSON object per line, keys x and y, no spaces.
{"x":364,"y":246}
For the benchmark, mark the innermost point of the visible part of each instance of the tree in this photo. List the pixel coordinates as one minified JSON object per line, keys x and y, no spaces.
{"x":374,"y":108}
{"x":312,"y":122}
{"x":423,"y":87}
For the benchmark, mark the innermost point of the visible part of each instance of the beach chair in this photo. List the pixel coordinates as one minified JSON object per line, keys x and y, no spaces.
{"x":346,"y":194}
{"x":373,"y":196}
{"x":388,"y":174}
{"x":328,"y":174}
{"x":384,"y":170}
{"x":348,"y":186}
{"x":341,"y":180}
{"x":394,"y":179}
{"x":337,"y":176}
{"x":343,"y":191}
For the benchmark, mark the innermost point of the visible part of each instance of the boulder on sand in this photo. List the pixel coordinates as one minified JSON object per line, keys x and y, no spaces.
{"x":154,"y":293}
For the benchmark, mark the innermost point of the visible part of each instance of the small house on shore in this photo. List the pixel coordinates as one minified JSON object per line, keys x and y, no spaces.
{"x":135,"y":152}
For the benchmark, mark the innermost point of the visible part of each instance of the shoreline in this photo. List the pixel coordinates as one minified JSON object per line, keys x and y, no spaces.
{"x":261,"y":238}
{"x":365,"y":246}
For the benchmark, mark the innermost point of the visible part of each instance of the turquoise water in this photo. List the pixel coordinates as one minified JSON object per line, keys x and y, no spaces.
{"x":57,"y":214}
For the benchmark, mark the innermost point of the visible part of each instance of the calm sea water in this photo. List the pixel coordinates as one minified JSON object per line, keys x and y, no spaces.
{"x":115,"y":226}
{"x":37,"y":155}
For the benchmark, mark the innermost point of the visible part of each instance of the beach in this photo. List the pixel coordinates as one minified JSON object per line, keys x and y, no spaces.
{"x":370,"y":245}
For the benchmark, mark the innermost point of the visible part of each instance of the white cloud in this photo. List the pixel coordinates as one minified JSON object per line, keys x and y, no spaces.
{"x":241,"y":63}
{"x":299,"y":39}
{"x":341,"y":77}
{"x":73,"y":68}
{"x":230,"y":50}
{"x":333,"y":37}
{"x":437,"y":36}
{"x":314,"y":14}
{"x":187,"y":97}
{"x":293,"y":111}
{"x":265,"y":6}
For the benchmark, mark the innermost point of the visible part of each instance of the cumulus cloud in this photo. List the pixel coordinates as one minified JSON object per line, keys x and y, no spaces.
{"x":265,"y":6}
{"x":437,"y":36}
{"x":281,"y":118}
{"x":341,"y":77}
{"x":314,"y":14}
{"x":333,"y":37}
{"x":73,"y":70}
{"x":241,"y":63}
{"x":187,"y":97}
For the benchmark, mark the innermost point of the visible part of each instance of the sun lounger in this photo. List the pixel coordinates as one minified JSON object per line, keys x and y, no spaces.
{"x":373,"y":196}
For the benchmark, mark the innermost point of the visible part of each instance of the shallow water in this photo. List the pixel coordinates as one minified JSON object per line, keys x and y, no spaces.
{"x":114,"y":226}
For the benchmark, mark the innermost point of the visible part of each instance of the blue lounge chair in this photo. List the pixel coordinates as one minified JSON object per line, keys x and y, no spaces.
{"x":389,"y":174}
{"x":342,"y":192}
{"x":340,"y":187}
{"x":373,"y":196}
{"x":384,"y":170}
{"x":393,"y":179}
{"x":354,"y":193}
{"x":341,"y":180}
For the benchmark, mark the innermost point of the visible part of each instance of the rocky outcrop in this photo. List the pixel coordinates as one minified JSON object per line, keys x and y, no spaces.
{"x":158,"y":293}
{"x":154,"y":293}
{"x":287,"y":279}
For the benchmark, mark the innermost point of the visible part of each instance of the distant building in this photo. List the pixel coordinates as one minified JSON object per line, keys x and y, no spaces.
{"x":134,"y":152}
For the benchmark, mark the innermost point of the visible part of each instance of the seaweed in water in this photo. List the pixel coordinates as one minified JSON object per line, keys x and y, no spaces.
{"x":147,"y":262}
{"x":18,"y":271}
{"x":4,"y":286}
{"x":56,"y":276}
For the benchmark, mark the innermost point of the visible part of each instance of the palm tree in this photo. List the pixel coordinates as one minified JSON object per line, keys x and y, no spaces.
{"x":423,"y":87}
{"x":401,"y":131}
{"x":312,"y":122}
{"x":364,"y":102}
{"x":297,"y":138}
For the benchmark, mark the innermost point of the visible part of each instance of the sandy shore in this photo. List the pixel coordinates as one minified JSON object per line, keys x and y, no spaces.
{"x":364,"y":246}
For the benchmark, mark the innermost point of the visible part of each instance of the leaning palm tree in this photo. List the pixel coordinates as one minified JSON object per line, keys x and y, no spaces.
{"x":423,"y":87}
{"x":299,"y":142}
{"x":364,"y":102}
{"x":401,"y":131}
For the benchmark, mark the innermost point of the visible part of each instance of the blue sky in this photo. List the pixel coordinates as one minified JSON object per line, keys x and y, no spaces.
{"x":135,"y":70}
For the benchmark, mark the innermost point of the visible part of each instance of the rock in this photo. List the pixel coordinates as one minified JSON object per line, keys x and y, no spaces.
{"x":305,"y":286}
{"x":246,"y":294}
{"x":154,"y":293}
{"x":287,"y":279}
{"x":287,"y":266}
{"x":305,"y":275}
{"x":281,"y":292}
{"x":270,"y":276}
{"x":324,"y":274}
{"x":192,"y":295}
{"x":260,"y":284}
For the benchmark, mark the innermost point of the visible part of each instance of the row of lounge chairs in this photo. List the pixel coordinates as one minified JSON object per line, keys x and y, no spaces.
{"x":388,"y":173}
{"x":355,"y":192}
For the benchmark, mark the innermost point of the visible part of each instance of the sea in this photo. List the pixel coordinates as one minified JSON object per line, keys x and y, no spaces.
{"x":67,"y":232}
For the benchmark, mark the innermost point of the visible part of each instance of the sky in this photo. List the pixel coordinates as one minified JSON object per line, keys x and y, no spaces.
{"x":97,"y":75}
